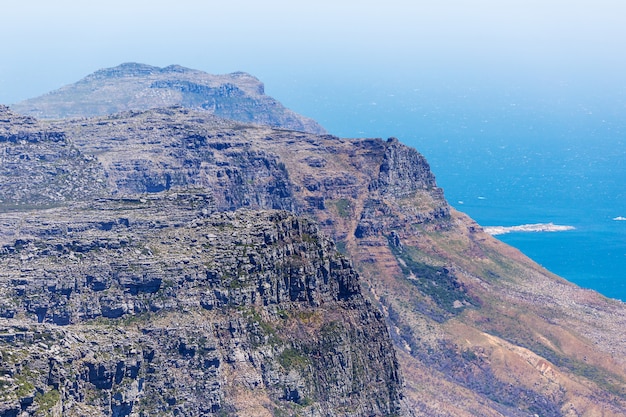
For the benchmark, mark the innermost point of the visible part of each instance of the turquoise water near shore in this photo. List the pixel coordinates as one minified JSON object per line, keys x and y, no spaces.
{"x":508,"y":157}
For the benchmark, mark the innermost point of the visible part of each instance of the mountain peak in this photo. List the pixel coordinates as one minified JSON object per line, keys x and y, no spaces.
{"x":237,"y":96}
{"x":178,"y":68}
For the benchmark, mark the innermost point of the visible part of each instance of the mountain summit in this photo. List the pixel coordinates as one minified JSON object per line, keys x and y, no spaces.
{"x":131,"y":86}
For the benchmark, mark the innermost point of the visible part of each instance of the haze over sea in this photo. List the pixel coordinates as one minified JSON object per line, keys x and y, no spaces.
{"x":510,"y":159}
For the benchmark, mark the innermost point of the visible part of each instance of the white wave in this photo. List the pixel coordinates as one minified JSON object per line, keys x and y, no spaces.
{"x":536,"y":227}
{"x":619,"y":218}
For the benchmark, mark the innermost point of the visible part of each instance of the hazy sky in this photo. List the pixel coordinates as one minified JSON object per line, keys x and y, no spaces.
{"x":303,"y":49}
{"x":48,"y":39}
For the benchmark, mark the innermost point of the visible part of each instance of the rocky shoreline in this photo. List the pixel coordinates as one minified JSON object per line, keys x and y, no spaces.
{"x":535,"y":227}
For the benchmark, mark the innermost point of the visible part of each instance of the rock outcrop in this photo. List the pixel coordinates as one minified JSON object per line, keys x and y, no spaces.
{"x":132,"y":86}
{"x":158,"y":307}
{"x":39,"y":167}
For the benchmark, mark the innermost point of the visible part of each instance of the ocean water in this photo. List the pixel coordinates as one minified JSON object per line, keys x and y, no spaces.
{"x":507,"y":156}
{"x":579,"y":184}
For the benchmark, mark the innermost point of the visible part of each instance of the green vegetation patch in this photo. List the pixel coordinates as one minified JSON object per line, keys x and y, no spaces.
{"x":47,"y":400}
{"x":437,"y":282}
{"x":341,"y":247}
{"x":260,"y":331}
{"x":292,"y":359}
{"x":344,"y":208}
{"x":24,"y":385}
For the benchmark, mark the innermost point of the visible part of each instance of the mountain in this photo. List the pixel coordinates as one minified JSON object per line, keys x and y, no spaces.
{"x":140,"y":297}
{"x":202,"y":256}
{"x":132,"y":86}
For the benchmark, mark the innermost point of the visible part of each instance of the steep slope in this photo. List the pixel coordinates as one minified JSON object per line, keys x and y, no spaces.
{"x":131,"y":86}
{"x":157,"y":307}
{"x":478,"y":328}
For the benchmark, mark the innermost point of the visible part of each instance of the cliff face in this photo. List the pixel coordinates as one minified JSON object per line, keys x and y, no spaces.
{"x":255,"y":167}
{"x":157,"y":307}
{"x":131,"y":86}
{"x":478,"y":329}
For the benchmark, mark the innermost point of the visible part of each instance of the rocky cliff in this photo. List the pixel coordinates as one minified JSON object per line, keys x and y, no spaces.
{"x":478,"y":329}
{"x":158,"y":307}
{"x":132,"y":86}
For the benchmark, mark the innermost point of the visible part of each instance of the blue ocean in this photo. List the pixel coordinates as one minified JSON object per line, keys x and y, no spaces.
{"x":579,"y":185}
{"x":508,"y":158}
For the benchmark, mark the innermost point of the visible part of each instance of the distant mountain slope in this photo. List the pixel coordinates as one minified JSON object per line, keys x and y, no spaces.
{"x":132,"y":86}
